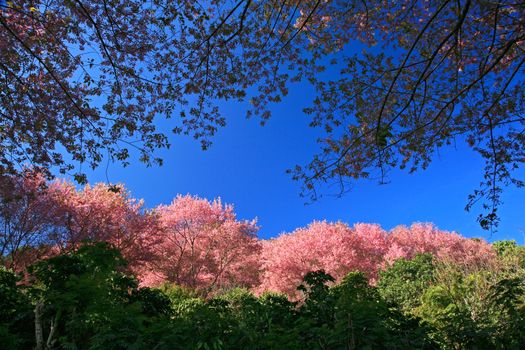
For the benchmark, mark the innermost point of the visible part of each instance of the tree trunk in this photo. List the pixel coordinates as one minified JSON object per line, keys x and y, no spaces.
{"x":39,"y":336}
{"x":52,"y":329}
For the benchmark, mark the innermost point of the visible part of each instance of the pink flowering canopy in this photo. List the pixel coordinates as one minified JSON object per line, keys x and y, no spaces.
{"x":405,"y":242}
{"x":102,"y":213}
{"x":202,"y":244}
{"x":339,"y":249}
{"x":51,"y":217}
{"x":26,"y":219}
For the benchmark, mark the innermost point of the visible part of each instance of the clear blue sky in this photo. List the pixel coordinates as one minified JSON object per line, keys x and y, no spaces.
{"x":246,"y":167}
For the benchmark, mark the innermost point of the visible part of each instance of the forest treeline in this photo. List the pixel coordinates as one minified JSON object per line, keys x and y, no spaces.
{"x":87,"y":299}
{"x":92,"y":268}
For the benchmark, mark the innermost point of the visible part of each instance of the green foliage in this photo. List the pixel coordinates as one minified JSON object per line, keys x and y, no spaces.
{"x":235,"y":319}
{"x":176,"y":293}
{"x":402,"y":284}
{"x":502,"y":247}
{"x":352,"y":315}
{"x":10,"y":296}
{"x":153,"y":301}
{"x":86,"y":300}
{"x":7,"y":339}
{"x":511,"y":252}
{"x":475,"y":309}
{"x":15,"y":313}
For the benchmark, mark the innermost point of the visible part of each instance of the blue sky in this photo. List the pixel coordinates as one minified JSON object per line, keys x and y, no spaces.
{"x":246,"y":167}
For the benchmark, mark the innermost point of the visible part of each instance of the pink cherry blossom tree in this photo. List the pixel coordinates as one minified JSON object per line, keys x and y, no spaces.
{"x":26,"y":218}
{"x":204,"y":246}
{"x":41,"y":218}
{"x":103,"y":213}
{"x":339,"y":249}
{"x":426,"y":238}
{"x":333,"y":247}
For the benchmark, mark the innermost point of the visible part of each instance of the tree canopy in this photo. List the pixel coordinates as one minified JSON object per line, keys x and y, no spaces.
{"x":85,"y":299}
{"x":84,"y":80}
{"x":201,"y":244}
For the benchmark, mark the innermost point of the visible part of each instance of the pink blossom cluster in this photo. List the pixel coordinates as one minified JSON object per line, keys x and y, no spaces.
{"x":338,"y":249}
{"x":191,"y":242}
{"x":202,"y":244}
{"x":44,"y":218}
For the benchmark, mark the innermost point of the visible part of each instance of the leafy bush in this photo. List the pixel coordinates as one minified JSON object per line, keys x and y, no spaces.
{"x":402,"y":284}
